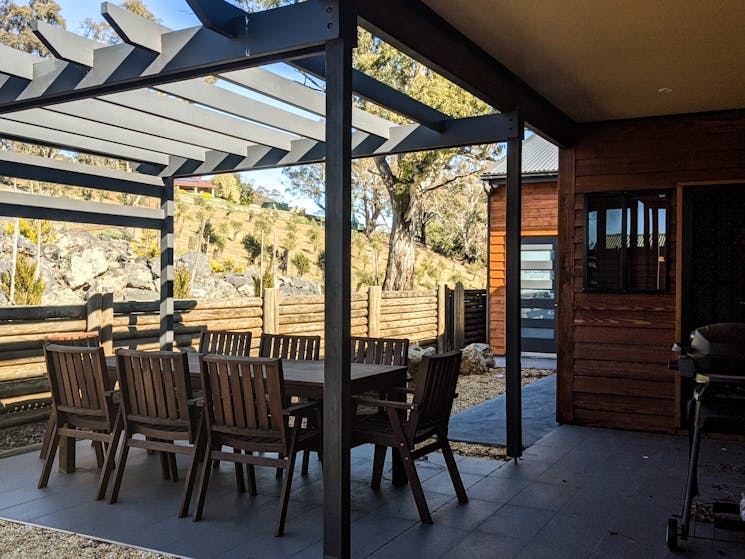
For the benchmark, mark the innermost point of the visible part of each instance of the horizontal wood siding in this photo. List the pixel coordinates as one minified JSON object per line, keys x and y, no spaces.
{"x":540,"y":218}
{"x":614,"y":348}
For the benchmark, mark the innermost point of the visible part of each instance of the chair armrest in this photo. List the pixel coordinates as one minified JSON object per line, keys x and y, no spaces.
{"x":401,"y":390}
{"x":385,"y":404}
{"x":298,"y":409}
{"x":198,"y":402}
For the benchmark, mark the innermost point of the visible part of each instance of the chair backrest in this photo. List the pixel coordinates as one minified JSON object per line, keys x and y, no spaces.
{"x":434,"y":391}
{"x":380,"y":351}
{"x":244,"y":396}
{"x":78,"y":381}
{"x":237,"y":344}
{"x":156,"y":388}
{"x":80,"y":339}
{"x":290,"y":347}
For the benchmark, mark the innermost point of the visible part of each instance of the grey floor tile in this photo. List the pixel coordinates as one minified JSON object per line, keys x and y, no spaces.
{"x":464,"y":516}
{"x":481,"y":545}
{"x":547,"y":496}
{"x":429,"y":541}
{"x":498,"y":489}
{"x":516,"y":521}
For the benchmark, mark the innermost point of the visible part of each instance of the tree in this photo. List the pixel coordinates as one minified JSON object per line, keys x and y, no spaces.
{"x":301,"y":263}
{"x":28,"y":287}
{"x":252,"y":246}
{"x":227,"y":186}
{"x":16,"y":21}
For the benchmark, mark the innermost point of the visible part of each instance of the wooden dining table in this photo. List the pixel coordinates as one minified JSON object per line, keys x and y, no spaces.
{"x":301,"y":378}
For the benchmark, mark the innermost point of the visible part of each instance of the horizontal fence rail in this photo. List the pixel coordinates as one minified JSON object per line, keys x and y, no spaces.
{"x":24,"y":389}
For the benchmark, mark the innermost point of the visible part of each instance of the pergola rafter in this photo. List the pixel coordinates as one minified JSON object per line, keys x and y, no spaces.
{"x":143,"y":101}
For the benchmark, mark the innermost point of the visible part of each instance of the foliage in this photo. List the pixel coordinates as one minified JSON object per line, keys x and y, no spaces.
{"x":227,"y":186}
{"x":252,"y":246}
{"x":181,"y":282}
{"x":147,"y":245}
{"x":291,"y":238}
{"x":301,"y":263}
{"x":247,"y":193}
{"x":321,"y":261}
{"x":268,"y":283}
{"x":211,"y":236}
{"x":16,"y":20}
{"x":28,"y":288}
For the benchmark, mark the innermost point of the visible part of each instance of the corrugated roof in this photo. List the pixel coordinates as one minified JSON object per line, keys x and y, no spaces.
{"x":539,"y":157}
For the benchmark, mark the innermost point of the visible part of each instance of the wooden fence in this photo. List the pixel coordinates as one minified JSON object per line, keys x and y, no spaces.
{"x":24,"y":397}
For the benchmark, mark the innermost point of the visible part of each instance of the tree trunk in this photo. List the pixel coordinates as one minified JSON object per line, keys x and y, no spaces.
{"x":399,"y":272}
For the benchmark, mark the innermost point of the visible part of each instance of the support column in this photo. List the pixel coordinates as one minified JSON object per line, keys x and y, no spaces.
{"x":513,"y":318}
{"x":166,"y":265}
{"x":337,"y":277}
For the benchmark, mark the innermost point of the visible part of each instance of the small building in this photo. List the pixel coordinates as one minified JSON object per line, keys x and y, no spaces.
{"x":196,"y":186}
{"x":540,"y":223}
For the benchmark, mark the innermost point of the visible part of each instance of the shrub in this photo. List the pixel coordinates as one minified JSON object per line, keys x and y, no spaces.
{"x":268,"y":283}
{"x":147,"y":245}
{"x":28,"y":291}
{"x":321,"y":261}
{"x":181,"y":283}
{"x":301,"y":263}
{"x":252,"y":246}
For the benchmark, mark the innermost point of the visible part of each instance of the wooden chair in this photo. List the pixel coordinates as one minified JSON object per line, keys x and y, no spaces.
{"x":424,"y":420}
{"x":380,"y":351}
{"x":286,"y":346}
{"x":78,"y":339}
{"x":157,"y":402}
{"x":237,"y":344}
{"x":293,"y":347}
{"x":246,"y":409}
{"x":83,"y":405}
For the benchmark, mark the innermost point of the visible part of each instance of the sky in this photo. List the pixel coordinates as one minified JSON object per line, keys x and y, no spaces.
{"x":176,"y":14}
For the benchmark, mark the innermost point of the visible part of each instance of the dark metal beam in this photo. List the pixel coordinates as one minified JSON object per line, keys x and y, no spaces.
{"x":418,"y":31}
{"x":282,"y":33}
{"x":219,"y":16}
{"x":381,"y":94}
{"x":32,"y":167}
{"x":486,"y":129}
{"x":36,"y":206}
{"x":337,"y":279}
{"x":513,"y":336}
{"x":167,"y":246}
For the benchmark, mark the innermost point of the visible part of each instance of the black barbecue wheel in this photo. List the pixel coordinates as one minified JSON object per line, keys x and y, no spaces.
{"x":671,"y":537}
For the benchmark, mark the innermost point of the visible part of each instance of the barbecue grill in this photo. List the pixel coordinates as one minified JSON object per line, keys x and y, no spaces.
{"x":714,"y":358}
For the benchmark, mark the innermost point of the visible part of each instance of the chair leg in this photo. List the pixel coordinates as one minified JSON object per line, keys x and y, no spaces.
{"x":107,"y":468}
{"x":173,"y":465}
{"x":447,"y":452}
{"x":240,"y":480}
{"x":98,"y":449}
{"x":54,"y":439}
{"x":119,"y":472}
{"x":251,"y":473}
{"x":278,"y":474}
{"x":378,"y":463}
{"x":203,"y":482}
{"x":165,"y":466}
{"x":284,"y":497}
{"x":191,"y":473}
{"x":48,"y":434}
{"x":306,"y":463}
{"x":415,"y":484}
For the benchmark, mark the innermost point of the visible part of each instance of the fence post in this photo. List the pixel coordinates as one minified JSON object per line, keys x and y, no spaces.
{"x":271,"y":310}
{"x":374,"y":300}
{"x":459,"y":316}
{"x":107,"y":323}
{"x":93,"y":313}
{"x":441,"y":306}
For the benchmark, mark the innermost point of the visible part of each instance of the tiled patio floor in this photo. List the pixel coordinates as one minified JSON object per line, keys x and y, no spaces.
{"x":579,"y":492}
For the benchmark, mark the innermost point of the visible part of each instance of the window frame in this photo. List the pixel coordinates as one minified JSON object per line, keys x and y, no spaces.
{"x":626,"y":197}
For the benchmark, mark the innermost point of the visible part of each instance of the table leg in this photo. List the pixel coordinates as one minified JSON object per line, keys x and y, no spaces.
{"x":67,"y":455}
{"x":398,"y":474}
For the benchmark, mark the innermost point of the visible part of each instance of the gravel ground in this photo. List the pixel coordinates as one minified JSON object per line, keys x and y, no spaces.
{"x":20,"y":541}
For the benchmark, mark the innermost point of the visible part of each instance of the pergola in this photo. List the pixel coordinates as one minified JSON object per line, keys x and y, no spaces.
{"x":143,"y":101}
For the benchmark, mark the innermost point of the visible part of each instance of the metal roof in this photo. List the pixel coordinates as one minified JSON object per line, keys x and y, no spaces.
{"x":540,"y":157}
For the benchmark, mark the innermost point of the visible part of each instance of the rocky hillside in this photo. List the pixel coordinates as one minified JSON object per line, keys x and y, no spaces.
{"x":80,"y":260}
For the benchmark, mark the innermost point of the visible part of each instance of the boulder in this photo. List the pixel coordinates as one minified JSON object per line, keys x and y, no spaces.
{"x":476,"y":359}
{"x":416,"y":352}
{"x":85,"y":266}
{"x":298,"y":287}
{"x":196,"y":262}
{"x":138,"y":275}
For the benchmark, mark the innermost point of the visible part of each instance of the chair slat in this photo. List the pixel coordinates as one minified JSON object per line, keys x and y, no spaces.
{"x":237,"y":344}
{"x":290,"y":346}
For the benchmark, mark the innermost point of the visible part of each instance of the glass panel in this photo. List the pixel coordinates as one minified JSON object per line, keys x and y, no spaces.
{"x":544,"y":275}
{"x":544,"y":314}
{"x":537,"y":293}
{"x":604,"y":242}
{"x":542,"y":333}
{"x":646,"y":256}
{"x":537,"y":255}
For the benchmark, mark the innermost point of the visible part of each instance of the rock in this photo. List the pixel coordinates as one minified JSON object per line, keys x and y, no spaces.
{"x":416,"y":352}
{"x":210,"y":287}
{"x":203,"y":267}
{"x":138,"y":275}
{"x":86,"y":266}
{"x":60,"y":294}
{"x":476,"y":359}
{"x":133,"y":294}
{"x":110,"y":282}
{"x":298,"y":287}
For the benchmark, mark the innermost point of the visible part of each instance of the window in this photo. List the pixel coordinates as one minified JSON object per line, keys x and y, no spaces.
{"x":626,"y":248}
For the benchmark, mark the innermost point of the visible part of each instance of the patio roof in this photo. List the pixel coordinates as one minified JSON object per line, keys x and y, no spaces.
{"x":142,"y":101}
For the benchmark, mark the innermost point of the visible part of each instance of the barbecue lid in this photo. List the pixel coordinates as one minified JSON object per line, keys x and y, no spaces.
{"x":725,"y":339}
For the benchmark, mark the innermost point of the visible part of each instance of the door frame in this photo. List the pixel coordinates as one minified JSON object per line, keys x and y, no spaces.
{"x":681,"y":267}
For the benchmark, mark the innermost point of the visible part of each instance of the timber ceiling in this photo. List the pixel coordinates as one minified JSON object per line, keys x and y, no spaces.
{"x":605,"y":60}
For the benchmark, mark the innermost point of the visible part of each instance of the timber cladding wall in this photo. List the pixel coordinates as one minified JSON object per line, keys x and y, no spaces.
{"x":614,"y":348}
{"x":539,"y":219}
